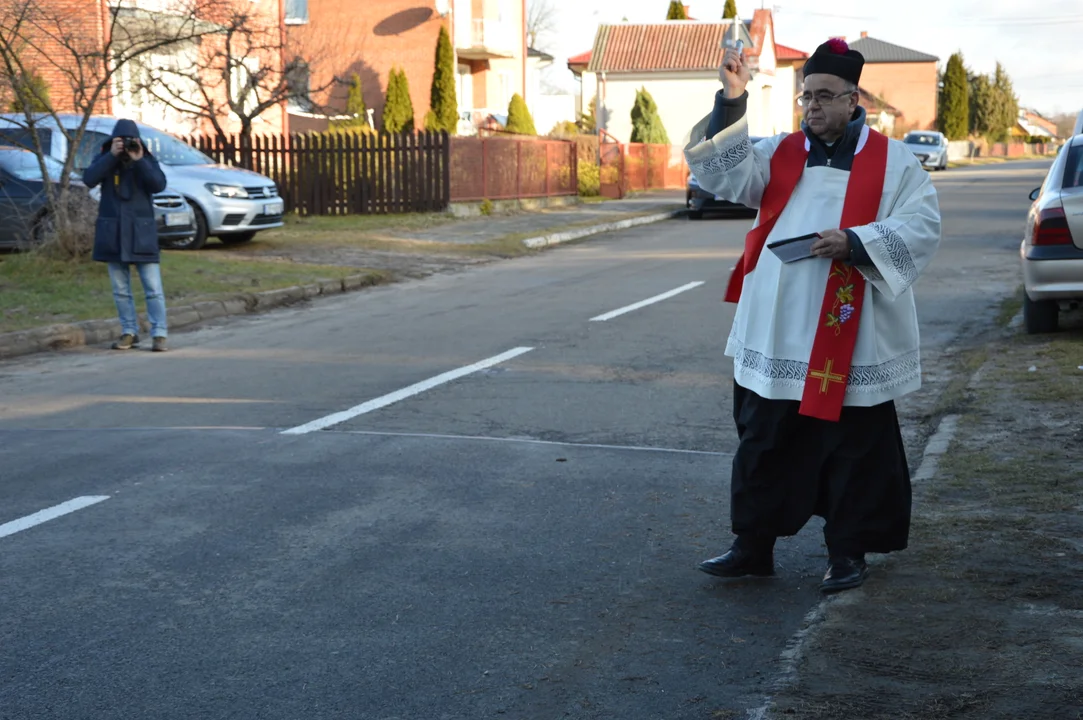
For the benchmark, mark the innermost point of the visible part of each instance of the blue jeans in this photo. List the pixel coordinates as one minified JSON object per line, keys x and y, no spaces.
{"x":150,"y":275}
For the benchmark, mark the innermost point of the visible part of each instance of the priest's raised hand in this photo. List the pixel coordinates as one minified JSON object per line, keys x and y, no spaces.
{"x":734,"y":73}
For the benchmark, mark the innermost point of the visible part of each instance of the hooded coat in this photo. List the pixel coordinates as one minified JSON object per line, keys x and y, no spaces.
{"x":126,"y":230}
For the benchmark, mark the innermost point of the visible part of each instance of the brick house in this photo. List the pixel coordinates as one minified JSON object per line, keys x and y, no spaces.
{"x":88,"y":24}
{"x":677,"y":62}
{"x":488,"y":37}
{"x":902,"y":78}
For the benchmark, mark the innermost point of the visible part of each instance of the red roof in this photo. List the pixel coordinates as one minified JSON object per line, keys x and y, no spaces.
{"x":673,"y":45}
{"x":784,"y":53}
{"x":581,"y":58}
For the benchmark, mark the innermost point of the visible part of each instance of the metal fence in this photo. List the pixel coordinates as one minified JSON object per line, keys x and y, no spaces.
{"x":342,"y":174}
{"x":637,"y":167}
{"x":511,"y":167}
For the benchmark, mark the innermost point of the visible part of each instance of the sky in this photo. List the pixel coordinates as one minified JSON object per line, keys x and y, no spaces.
{"x":1040,"y":51}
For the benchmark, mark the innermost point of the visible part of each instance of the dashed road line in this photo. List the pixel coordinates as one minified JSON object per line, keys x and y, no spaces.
{"x":644,"y":303}
{"x":406,"y":392}
{"x":43,"y":516}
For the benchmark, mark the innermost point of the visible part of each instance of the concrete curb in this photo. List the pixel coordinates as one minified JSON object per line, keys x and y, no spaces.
{"x":93,"y":332}
{"x":569,"y":235}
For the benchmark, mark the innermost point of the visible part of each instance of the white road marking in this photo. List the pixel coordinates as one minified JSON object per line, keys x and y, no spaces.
{"x":532,"y":441}
{"x":644,"y":303}
{"x":42,"y":516}
{"x":385,"y":400}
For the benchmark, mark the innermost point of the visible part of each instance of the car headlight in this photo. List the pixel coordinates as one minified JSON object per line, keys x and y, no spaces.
{"x":227,"y":191}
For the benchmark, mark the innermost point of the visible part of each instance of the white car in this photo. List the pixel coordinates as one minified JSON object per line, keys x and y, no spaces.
{"x":930,"y":148}
{"x":1052,"y":248}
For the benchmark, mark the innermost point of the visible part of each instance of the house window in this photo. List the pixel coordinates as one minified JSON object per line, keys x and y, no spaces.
{"x":296,"y":12}
{"x":298,"y":85}
{"x":465,"y":87}
{"x":243,"y":83}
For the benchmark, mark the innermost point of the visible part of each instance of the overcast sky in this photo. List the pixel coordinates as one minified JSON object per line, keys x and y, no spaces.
{"x":1041,"y":50}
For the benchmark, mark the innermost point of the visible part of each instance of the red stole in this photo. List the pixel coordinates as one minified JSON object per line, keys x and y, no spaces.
{"x":840,"y":313}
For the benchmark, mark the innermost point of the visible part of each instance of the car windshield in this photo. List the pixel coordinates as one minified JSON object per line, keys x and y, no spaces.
{"x":171,"y":151}
{"x":25,"y":166}
{"x":921,"y":139}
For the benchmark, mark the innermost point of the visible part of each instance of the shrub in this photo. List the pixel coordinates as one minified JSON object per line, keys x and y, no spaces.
{"x":486,"y":207}
{"x":565,"y":129}
{"x":67,"y":232}
{"x":590,"y":184}
{"x":519,"y":118}
{"x":444,"y":112}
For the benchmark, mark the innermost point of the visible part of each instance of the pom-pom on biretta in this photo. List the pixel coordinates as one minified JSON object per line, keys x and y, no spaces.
{"x":835,"y":57}
{"x":837,"y":46}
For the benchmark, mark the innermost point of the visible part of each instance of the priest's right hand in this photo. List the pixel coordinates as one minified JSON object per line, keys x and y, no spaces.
{"x":734,"y":73}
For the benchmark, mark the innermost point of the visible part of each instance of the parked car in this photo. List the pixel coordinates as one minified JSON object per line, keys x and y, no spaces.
{"x":231,"y":204}
{"x":931,"y":148}
{"x":1052,"y":248}
{"x":23,"y":206}
{"x":698,"y":200}
{"x":22,"y":196}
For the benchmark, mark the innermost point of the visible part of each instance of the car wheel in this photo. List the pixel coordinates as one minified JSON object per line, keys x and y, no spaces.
{"x":1040,"y":316}
{"x":695,"y":214}
{"x":237,"y":238}
{"x":198,"y":240}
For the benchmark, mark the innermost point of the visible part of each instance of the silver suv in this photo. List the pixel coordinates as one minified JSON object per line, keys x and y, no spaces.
{"x":930,"y":148}
{"x":229,"y":203}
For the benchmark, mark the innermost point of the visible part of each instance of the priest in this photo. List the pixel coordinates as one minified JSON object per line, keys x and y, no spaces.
{"x":825,"y":335}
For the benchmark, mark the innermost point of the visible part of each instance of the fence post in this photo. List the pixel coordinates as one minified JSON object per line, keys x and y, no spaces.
{"x":547,"y":191}
{"x":484,"y":167}
{"x":445,"y":191}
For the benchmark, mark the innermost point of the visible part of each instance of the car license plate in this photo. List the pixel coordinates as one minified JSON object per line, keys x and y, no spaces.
{"x":274,"y":208}
{"x":176,"y":219}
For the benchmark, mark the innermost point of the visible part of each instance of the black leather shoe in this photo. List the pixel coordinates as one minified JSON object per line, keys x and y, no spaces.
{"x":739,"y":561}
{"x":844,"y":573}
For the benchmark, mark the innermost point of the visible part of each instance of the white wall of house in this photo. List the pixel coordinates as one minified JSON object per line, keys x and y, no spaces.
{"x":548,"y":110}
{"x":684,"y":98}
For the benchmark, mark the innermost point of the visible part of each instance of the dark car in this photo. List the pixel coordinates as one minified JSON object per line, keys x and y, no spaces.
{"x":699,"y":201}
{"x":22,"y":196}
{"x":175,"y":217}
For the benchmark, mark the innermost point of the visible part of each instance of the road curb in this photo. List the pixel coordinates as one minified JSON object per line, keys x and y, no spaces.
{"x":569,"y":235}
{"x":94,"y":332}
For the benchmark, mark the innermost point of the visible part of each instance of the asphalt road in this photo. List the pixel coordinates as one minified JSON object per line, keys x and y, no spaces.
{"x":518,"y":540}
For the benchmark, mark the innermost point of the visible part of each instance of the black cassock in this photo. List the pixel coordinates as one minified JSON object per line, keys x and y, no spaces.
{"x":852,"y":473}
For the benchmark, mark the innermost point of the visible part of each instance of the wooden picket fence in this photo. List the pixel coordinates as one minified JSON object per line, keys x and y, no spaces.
{"x":344,"y":174}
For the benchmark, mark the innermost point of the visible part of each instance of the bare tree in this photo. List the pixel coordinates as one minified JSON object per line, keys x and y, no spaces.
{"x":541,"y":22}
{"x":247,"y":67}
{"x":43,"y":37}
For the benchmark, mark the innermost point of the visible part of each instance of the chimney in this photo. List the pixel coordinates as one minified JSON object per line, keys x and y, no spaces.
{"x":864,"y":33}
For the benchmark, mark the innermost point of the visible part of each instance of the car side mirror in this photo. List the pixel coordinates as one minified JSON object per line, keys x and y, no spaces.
{"x":1035,"y":193}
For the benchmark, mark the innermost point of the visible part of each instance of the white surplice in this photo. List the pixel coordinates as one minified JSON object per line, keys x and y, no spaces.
{"x":779,"y":310}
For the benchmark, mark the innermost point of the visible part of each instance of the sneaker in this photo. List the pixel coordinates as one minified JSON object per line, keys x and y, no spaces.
{"x":127,"y":342}
{"x":158,"y":345}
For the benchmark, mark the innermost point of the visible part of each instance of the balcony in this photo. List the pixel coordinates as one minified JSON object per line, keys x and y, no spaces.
{"x":485,"y":39}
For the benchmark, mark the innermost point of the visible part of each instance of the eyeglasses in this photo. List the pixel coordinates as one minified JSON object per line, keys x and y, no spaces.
{"x":821,"y":98}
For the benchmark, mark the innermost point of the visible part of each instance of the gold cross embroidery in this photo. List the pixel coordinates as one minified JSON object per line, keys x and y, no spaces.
{"x":826,"y":377}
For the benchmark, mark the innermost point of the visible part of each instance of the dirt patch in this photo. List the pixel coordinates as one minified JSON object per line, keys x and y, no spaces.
{"x":983,"y":616}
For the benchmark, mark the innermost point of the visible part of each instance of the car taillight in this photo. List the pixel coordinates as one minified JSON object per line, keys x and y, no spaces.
{"x":1052,"y":228}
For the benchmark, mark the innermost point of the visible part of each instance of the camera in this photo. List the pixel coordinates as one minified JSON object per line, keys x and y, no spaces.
{"x":132,"y":145}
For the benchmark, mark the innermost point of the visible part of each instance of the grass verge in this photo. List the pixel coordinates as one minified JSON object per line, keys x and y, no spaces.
{"x":38,"y":291}
{"x":983,"y":616}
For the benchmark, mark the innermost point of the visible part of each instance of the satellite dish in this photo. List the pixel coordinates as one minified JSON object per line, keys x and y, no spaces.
{"x":443,"y":7}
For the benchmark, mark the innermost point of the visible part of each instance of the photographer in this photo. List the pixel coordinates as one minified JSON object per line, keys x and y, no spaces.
{"x":126,"y":232}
